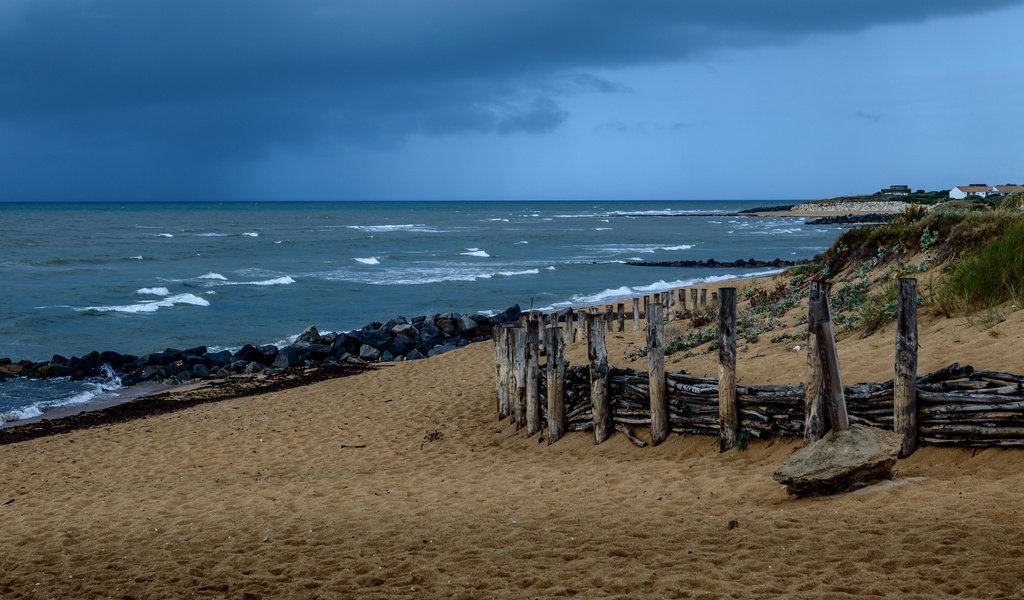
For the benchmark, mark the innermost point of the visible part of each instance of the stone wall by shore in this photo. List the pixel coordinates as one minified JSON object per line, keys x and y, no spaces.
{"x":398,"y":339}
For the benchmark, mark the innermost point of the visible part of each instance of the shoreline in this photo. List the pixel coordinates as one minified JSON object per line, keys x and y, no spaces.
{"x":181,"y":395}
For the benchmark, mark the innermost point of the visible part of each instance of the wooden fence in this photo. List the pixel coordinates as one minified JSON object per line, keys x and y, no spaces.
{"x":955,"y":406}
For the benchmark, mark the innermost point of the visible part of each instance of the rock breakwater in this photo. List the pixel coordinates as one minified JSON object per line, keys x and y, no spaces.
{"x":397,"y":339}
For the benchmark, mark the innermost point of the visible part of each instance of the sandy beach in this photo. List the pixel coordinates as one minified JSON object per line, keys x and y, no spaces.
{"x":401,"y":483}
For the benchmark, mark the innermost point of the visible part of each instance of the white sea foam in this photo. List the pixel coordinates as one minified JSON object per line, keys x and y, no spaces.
{"x":251,"y":234}
{"x":475,"y":252}
{"x":549,"y":268}
{"x":623,"y":292}
{"x":523,"y":242}
{"x":502,"y":220}
{"x":212,"y":234}
{"x":275,"y":281}
{"x":602,"y":229}
{"x":109,"y":385}
{"x":153,"y":291}
{"x":371,"y":260}
{"x":418,"y":228}
{"x":421,"y":275}
{"x":149,"y":306}
{"x":135,"y":258}
{"x":214,"y":276}
{"x":164,"y":235}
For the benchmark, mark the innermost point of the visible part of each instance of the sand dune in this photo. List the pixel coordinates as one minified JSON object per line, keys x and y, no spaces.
{"x":330,"y":491}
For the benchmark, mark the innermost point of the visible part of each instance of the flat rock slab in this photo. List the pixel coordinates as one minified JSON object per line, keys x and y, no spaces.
{"x":839,"y":461}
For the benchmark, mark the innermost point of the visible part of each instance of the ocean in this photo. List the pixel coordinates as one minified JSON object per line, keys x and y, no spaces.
{"x":141,"y":277}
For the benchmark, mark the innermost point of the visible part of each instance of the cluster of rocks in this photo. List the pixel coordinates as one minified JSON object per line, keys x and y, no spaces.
{"x":849,"y":206}
{"x":760,"y":209}
{"x":397,"y":339}
{"x":718,"y":264}
{"x":853,"y":219}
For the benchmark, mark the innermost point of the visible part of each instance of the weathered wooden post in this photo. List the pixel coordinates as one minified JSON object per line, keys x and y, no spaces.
{"x":693,"y":299}
{"x":814,"y":392}
{"x":570,"y":327}
{"x":647,"y":306}
{"x":621,"y":308}
{"x":600,"y":405}
{"x":830,"y":362}
{"x":609,"y":317}
{"x":703,"y":297}
{"x":519,"y":358}
{"x":656,"y":373}
{"x":533,"y":377}
{"x":668,"y":305}
{"x":636,"y":314}
{"x":556,"y":385}
{"x":728,"y":418}
{"x":500,"y":358}
{"x":904,"y":399}
{"x":714,"y":297}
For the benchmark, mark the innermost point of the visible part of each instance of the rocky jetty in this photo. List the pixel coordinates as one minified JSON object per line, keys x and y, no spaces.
{"x":853,"y":219}
{"x":397,"y":339}
{"x":718,"y":264}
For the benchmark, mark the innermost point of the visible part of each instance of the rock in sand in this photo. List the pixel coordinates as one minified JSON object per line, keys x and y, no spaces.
{"x":840,"y":461}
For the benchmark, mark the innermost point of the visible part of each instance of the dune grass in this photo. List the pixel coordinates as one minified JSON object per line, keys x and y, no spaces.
{"x":986,"y":278}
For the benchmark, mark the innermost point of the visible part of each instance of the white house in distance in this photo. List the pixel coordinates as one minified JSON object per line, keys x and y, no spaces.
{"x":982,"y":190}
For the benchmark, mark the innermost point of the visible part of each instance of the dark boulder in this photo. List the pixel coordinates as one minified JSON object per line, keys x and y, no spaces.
{"x":509,"y":315}
{"x":430,"y":336}
{"x":441,"y":349}
{"x":369,"y":353}
{"x":413,"y":355}
{"x":378,"y":338}
{"x":248,"y":353}
{"x":288,"y":357}
{"x":406,"y":329}
{"x":198,"y":350}
{"x":200,"y":371}
{"x":269,"y":352}
{"x":219,"y":358}
{"x":154,"y":373}
{"x":401,"y":345}
{"x":387,"y":356}
{"x":57,"y":359}
{"x":466,"y":325}
{"x":311,"y":335}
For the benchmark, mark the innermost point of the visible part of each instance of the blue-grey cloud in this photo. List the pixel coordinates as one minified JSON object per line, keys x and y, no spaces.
{"x":123,"y":85}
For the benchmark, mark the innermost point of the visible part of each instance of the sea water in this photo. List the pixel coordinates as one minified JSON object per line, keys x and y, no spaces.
{"x":140,"y":277}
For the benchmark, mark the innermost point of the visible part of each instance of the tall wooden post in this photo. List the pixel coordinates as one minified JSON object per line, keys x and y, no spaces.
{"x":533,"y":377}
{"x":556,"y":385}
{"x":519,"y":373}
{"x":693,"y":299}
{"x":830,"y":362}
{"x":621,"y":309}
{"x":647,"y":306}
{"x":656,"y":371}
{"x":681,"y":300}
{"x":714,"y":297}
{"x":609,"y":317}
{"x":636,"y":314}
{"x":814,"y":392}
{"x":905,"y":390}
{"x":728,"y":418}
{"x":500,"y":368}
{"x":600,"y":405}
{"x":668,"y":305}
{"x":703,"y":297}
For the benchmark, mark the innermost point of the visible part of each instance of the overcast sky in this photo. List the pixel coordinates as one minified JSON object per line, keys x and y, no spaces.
{"x":523,"y":99}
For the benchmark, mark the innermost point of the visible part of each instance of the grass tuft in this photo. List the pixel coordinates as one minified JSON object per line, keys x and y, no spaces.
{"x":987,"y":278}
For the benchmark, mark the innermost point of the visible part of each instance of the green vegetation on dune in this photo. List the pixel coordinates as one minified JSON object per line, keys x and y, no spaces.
{"x":989,"y":277}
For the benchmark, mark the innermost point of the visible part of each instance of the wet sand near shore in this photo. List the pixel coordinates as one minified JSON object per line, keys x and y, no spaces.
{"x":400,"y":483}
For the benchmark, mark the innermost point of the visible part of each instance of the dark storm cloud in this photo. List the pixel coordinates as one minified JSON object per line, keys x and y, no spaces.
{"x":118,"y":84}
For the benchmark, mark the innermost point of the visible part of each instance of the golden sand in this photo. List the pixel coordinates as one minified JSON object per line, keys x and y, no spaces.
{"x":331,"y":491}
